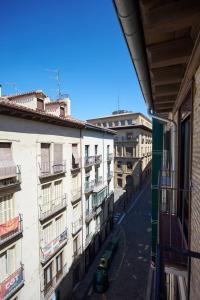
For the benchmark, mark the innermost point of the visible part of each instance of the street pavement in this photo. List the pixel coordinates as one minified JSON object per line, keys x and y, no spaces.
{"x":129,"y":270}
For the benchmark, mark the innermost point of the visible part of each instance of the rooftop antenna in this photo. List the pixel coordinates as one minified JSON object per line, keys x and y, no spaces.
{"x":118,"y":103}
{"x":57,"y":78}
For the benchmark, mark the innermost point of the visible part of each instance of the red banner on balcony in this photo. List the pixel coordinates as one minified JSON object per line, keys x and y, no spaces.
{"x":11,"y":283}
{"x":9,"y":226}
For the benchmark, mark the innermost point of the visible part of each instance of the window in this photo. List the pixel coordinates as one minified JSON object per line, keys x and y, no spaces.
{"x":86,"y":150}
{"x":6,"y":208}
{"x":59,"y":225}
{"x":58,"y":157}
{"x":75,"y":158}
{"x":116,"y":123}
{"x":104,"y":124}
{"x":7,"y":263}
{"x":46,"y":197}
{"x":58,"y":191}
{"x":129,"y":135}
{"x":48,"y":276}
{"x":110,"y":124}
{"x":59,"y":265}
{"x":40,"y":104}
{"x":108,"y":149}
{"x":7,"y":166}
{"x":96,"y":149}
{"x":62,"y":112}
{"x":48,"y":233}
{"x":122,"y":122}
{"x":129,"y":165}
{"x":129,"y":151}
{"x":119,"y":164}
{"x":119,"y":182}
{"x":45,"y":158}
{"x":129,"y":122}
{"x":96,"y":175}
{"x":119,"y":151}
{"x":76,"y":245}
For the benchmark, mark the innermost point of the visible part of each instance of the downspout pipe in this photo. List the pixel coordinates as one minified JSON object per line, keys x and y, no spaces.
{"x":173,"y":151}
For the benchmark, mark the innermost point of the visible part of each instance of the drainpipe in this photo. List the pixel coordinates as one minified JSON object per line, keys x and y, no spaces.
{"x":173,"y":153}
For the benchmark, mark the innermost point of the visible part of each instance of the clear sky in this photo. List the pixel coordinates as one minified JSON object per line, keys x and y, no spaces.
{"x":83,"y":39}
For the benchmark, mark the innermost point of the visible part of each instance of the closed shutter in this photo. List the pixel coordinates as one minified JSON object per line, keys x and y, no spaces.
{"x":46,"y":197}
{"x":45,"y":158}
{"x":47,"y":233}
{"x":58,"y":157}
{"x":6,"y":208}
{"x":59,"y":226}
{"x":7,"y":166}
{"x":75,"y":159}
{"x":58,"y":191}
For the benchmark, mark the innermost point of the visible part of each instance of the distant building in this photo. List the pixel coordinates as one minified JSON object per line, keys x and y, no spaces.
{"x":56,"y":196}
{"x":133,"y":145}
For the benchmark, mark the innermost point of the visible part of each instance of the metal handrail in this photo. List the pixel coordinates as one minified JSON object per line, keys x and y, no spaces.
{"x":53,"y":206}
{"x":50,"y":168}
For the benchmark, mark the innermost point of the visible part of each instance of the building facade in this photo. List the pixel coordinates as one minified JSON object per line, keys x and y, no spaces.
{"x":165,"y":49}
{"x":132,"y":147}
{"x":56,"y":196}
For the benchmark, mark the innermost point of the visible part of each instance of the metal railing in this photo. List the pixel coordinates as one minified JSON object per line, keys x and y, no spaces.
{"x":10,"y":176}
{"x":89,"y":186}
{"x":98,"y":183}
{"x":12,"y":283}
{"x":50,"y":208}
{"x":49,"y":288}
{"x":11,"y":229}
{"x":75,"y":165}
{"x":98,"y":159}
{"x":52,"y":168}
{"x":76,"y":225}
{"x":89,"y":161}
{"x":76,"y":194}
{"x":48,"y":250}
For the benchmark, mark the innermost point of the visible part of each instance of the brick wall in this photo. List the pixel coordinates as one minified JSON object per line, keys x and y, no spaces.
{"x":195,"y":201}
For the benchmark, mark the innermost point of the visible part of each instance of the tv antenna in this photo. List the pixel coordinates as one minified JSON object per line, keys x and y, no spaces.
{"x":118,"y":103}
{"x":57,"y":78}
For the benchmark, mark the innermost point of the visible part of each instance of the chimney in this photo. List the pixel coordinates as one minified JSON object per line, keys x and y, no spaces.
{"x":67,"y":101}
{"x":0,"y":89}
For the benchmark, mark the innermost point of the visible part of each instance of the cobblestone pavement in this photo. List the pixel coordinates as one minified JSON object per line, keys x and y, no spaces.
{"x":129,"y":269}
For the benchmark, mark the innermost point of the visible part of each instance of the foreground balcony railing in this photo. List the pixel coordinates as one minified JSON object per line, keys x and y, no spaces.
{"x":110,"y":175}
{"x":11,"y":229}
{"x":48,"y":250}
{"x":89,"y":186}
{"x":9,"y":176}
{"x":109,"y":156}
{"x":98,"y":159}
{"x":12,"y":283}
{"x":98,"y":184}
{"x":75,"y":164}
{"x":89,"y":161}
{"x":52,"y":168}
{"x":89,"y":214}
{"x":50,"y":208}
{"x":76,"y":195}
{"x":76,"y":226}
{"x":49,"y":288}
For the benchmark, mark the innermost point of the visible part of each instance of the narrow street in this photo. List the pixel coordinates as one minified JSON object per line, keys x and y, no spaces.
{"x":129,"y":269}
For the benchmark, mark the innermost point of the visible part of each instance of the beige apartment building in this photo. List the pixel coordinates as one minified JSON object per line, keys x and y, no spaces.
{"x":133,"y":145}
{"x":56,"y":196}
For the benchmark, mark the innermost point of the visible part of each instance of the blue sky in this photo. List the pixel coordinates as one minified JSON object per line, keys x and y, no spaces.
{"x":83,"y":40}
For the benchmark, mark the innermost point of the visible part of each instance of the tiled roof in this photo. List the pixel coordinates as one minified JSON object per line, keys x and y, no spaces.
{"x":39,"y":92}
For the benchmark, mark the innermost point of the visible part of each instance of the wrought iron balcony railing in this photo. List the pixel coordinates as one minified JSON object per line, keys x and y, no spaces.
{"x":11,"y":229}
{"x":76,"y":195}
{"x":10,"y":176}
{"x":10,"y":285}
{"x":75,"y":165}
{"x":52,"y":168}
{"x":49,"y":288}
{"x":89,"y":161}
{"x":89,"y":186}
{"x":76,"y":226}
{"x":50,"y":208}
{"x":98,"y":159}
{"x":48,"y":250}
{"x":89,"y":214}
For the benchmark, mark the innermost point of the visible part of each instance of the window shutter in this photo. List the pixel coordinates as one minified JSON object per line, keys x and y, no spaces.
{"x":58,"y":153}
{"x":45,"y":152}
{"x":75,"y":153}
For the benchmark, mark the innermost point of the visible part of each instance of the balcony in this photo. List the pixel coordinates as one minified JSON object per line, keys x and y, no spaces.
{"x":75,"y":165}
{"x":76,"y":195}
{"x":109,"y":157}
{"x":48,"y":169}
{"x":110,"y":175}
{"x":11,"y":229}
{"x":53,"y":207}
{"x":76,"y":226}
{"x":11,"y":284}
{"x":49,"y":289}
{"x":98,"y":159}
{"x":10,"y":176}
{"x":88,"y":239}
{"x":48,"y":250}
{"x":89,"y":214}
{"x":89,"y":161}
{"x":99,"y":198}
{"x":89,"y":186}
{"x":98,"y":185}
